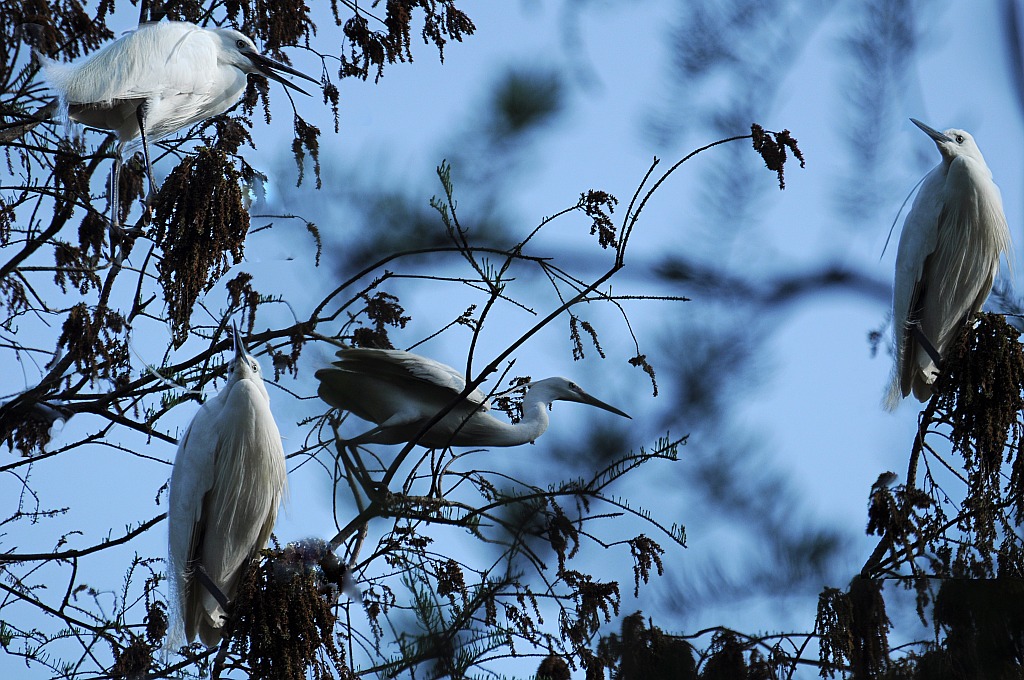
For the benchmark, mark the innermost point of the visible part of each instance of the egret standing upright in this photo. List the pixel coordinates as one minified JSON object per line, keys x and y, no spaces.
{"x":401,"y":392}
{"x":947,"y":260}
{"x":228,"y":479}
{"x":158,"y":79}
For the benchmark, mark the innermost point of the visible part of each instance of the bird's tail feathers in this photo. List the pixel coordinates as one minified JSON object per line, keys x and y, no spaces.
{"x":894,"y":395}
{"x":175,"y":637}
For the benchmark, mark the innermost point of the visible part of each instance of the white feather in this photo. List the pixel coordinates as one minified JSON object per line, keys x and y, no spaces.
{"x":182,"y":72}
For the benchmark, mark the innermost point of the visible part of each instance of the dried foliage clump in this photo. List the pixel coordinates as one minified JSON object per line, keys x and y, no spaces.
{"x":370,"y":49}
{"x":283,"y":619}
{"x":772,"y":147}
{"x":91,"y":232}
{"x":869,"y":628}
{"x":75,"y":266}
{"x":599,"y":206}
{"x":897,"y":516}
{"x":382,"y":311}
{"x":241,"y":295}
{"x":853,"y":629}
{"x":553,"y":667}
{"x":200,"y":221}
{"x":136,"y":659}
{"x":575,"y":325}
{"x":980,"y":391}
{"x":646,"y":554}
{"x":644,"y":651}
{"x":26,"y":427}
{"x":984,"y":623}
{"x":96,"y":341}
{"x":63,"y":24}
{"x":640,"y":360}
{"x":276,"y":24}
{"x":71,"y":177}
{"x":725,"y":660}
{"x":594,"y":601}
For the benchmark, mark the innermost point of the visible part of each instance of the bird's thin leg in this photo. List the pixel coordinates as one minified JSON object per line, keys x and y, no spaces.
{"x":115,"y":190}
{"x":363,"y":438}
{"x":117,"y":232}
{"x":140,"y":113}
{"x":926,"y":344}
{"x":211,"y":587}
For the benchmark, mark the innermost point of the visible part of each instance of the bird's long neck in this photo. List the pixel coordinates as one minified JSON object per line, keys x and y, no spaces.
{"x":500,"y":433}
{"x":535,"y":418}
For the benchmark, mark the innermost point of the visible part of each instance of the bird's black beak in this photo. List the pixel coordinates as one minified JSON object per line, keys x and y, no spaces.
{"x":931,"y":132}
{"x":587,"y":399}
{"x":236,"y":339}
{"x":269,"y":68}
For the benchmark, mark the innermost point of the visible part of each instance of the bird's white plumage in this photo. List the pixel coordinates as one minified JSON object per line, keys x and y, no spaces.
{"x":182,"y":72}
{"x":401,"y":392}
{"x":156,"y":80}
{"x":228,"y":480}
{"x":948,"y":258}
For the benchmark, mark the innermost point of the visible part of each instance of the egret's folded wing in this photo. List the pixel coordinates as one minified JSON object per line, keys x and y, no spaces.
{"x":148,"y":61}
{"x":112,"y":116}
{"x":191,"y":479}
{"x":918,"y":240}
{"x":241,"y":508}
{"x":400,"y":365}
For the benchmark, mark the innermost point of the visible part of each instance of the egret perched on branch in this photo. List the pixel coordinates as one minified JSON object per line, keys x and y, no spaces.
{"x":947,"y":260}
{"x":228,"y":479}
{"x":401,"y":391}
{"x":158,"y":79}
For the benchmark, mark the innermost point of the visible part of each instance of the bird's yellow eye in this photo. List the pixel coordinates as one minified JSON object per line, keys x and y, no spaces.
{"x":241,"y":44}
{"x":255,"y":367}
{"x":959,"y":139}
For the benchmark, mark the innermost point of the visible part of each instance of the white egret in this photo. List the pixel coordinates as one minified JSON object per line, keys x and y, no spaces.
{"x":158,"y":79}
{"x":401,"y":391}
{"x":947,"y":260}
{"x":229,"y":477}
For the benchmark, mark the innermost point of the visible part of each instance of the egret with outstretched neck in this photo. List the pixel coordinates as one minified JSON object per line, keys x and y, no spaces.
{"x":947,"y":260}
{"x":401,"y":392}
{"x":158,"y":79}
{"x":228,"y":480}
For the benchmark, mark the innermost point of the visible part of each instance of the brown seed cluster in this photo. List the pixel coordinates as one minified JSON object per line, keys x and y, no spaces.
{"x":283,"y":622}
{"x":772,"y":147}
{"x":201,"y":225}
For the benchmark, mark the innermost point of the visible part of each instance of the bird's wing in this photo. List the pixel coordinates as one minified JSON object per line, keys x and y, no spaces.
{"x":191,"y":478}
{"x":118,"y":115}
{"x":249,"y":482}
{"x":918,"y":240}
{"x":135,"y":66}
{"x":408,"y":366}
{"x":228,"y":480}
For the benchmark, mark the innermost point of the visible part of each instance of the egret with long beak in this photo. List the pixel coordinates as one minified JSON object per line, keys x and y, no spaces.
{"x":228,"y":480}
{"x":947,"y":260}
{"x":401,"y":392}
{"x":158,"y":79}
